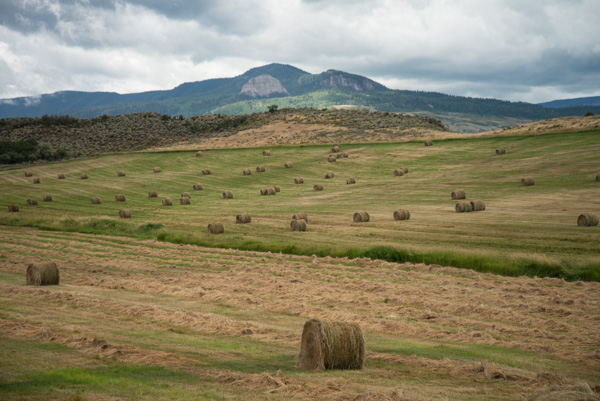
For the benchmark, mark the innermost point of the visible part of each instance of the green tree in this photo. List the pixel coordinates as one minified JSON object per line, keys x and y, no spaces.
{"x":272,"y":108}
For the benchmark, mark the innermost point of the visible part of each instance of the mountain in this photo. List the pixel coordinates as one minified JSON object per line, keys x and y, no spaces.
{"x":579,"y":101}
{"x":288,"y":86}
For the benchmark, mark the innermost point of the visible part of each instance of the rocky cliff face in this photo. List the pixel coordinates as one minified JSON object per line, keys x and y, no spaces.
{"x":263,"y":86}
{"x":335,"y":80}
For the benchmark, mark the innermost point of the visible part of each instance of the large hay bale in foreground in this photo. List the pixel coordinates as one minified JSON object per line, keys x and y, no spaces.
{"x":199,"y":153}
{"x":186,"y":195}
{"x":13,"y":208}
{"x":227,"y":195}
{"x":47,"y":198}
{"x":527,"y":181}
{"x":298,"y":180}
{"x":300,"y":216}
{"x":401,"y":214}
{"x":243,"y":218}
{"x":167,"y":202}
{"x":500,"y":151}
{"x":206,"y":171}
{"x":156,"y":169}
{"x":120,"y":198}
{"x":329,"y":175}
{"x":318,"y":187}
{"x":152,"y":194}
{"x":350,"y":180}
{"x":197,"y":187}
{"x":83,"y":176}
{"x":46,"y":273}
{"x":185,"y":201}
{"x":216,"y":228}
{"x":247,"y":171}
{"x":37,"y":180}
{"x":288,"y":165}
{"x":477,"y":205}
{"x":260,"y":169}
{"x":361,"y":217}
{"x":429,"y":142}
{"x":398,"y":172}
{"x":587,"y":220}
{"x":577,"y":392}
{"x":335,"y":148}
{"x":266,"y":153}
{"x":298,"y":225}
{"x":125,"y":213}
{"x":61,"y":177}
{"x":96,"y":201}
{"x":463,"y":207}
{"x":459,"y":194}
{"x":32,"y":202}
{"x":331,"y":345}
{"x":28,"y":174}
{"x":332,"y":159}
{"x":120,"y":174}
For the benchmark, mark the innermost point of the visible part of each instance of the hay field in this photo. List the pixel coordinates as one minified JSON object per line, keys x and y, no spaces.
{"x":524,"y":230}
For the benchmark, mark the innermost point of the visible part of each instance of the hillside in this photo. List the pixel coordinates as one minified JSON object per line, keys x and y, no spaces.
{"x":580,"y":101}
{"x":288,"y":86}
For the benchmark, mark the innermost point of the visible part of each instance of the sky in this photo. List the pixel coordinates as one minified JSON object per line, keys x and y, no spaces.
{"x":518,"y":50}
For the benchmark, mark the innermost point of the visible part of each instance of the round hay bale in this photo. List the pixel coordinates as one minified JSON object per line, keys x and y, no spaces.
{"x":329,"y":175}
{"x":243,"y":218}
{"x":597,"y":177}
{"x":361,"y":217}
{"x":13,"y":208}
{"x":344,"y":155}
{"x":500,"y":151}
{"x":96,"y":201}
{"x":350,"y":180}
{"x":197,"y":187}
{"x":276,"y":188}
{"x":185,"y":201}
{"x":577,"y":392}
{"x":318,"y":187}
{"x":152,"y":194}
{"x":298,"y":225}
{"x":401,"y":214}
{"x":46,"y":273}
{"x":120,"y":198}
{"x":247,"y":171}
{"x":463,"y":207}
{"x":335,"y":148}
{"x":206,"y":171}
{"x":459,"y":194}
{"x":288,"y":165}
{"x":186,"y":195}
{"x":32,"y":202}
{"x":37,"y":180}
{"x":121,"y":174}
{"x":331,"y":345}
{"x":527,"y":181}
{"x":199,"y":153}
{"x":260,"y":169}
{"x":266,"y":153}
{"x":587,"y":220}
{"x":300,"y":216}
{"x":271,"y":191}
{"x":47,"y":198}
{"x":227,"y":195}
{"x":156,"y":169}
{"x":429,"y":142}
{"x":167,"y":202}
{"x":338,"y":156}
{"x":405,"y":170}
{"x":83,"y":176}
{"x":216,"y":228}
{"x":398,"y":172}
{"x":332,"y":159}
{"x":264,"y":191}
{"x":28,"y":174}
{"x":298,"y":180}
{"x":61,"y":177}
{"x":125,"y":213}
{"x":477,"y":205}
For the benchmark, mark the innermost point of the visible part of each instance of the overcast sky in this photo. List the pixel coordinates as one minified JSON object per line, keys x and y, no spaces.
{"x":530,"y":50}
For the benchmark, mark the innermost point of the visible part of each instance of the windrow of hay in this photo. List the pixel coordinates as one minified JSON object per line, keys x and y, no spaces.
{"x":243,"y":218}
{"x":329,"y":175}
{"x":197,"y":187}
{"x":500,"y":151}
{"x":277,"y":188}
{"x":260,"y":169}
{"x":331,"y":345}
{"x":32,"y":202}
{"x":47,"y":198}
{"x":199,"y":153}
{"x":361,"y":217}
{"x":463,"y":207}
{"x":96,"y":201}
{"x":288,"y":165}
{"x":247,"y":171}
{"x":46,"y":273}
{"x":120,"y":198}
{"x":477,"y":205}
{"x":587,"y":220}
{"x":156,"y":169}
{"x":227,"y":195}
{"x":167,"y":202}
{"x":216,"y":228}
{"x":206,"y":171}
{"x":28,"y":174}
{"x":335,"y":148}
{"x":152,"y":194}
{"x":332,"y":159}
{"x":298,"y":225}
{"x":37,"y":180}
{"x":125,"y":213}
{"x":459,"y":194}
{"x":61,"y":177}
{"x":186,"y":195}
{"x":300,"y":216}
{"x":121,"y":174}
{"x":318,"y":187}
{"x":401,"y":214}
{"x":350,"y":180}
{"x":527,"y":181}
{"x":83,"y":176}
{"x":13,"y":208}
{"x":578,"y":392}
{"x":429,"y":142}
{"x":266,"y":153}
{"x":298,"y":180}
{"x":185,"y":201}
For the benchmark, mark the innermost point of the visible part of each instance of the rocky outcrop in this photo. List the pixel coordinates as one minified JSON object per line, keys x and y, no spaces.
{"x":263,"y":86}
{"x":358,"y":84}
